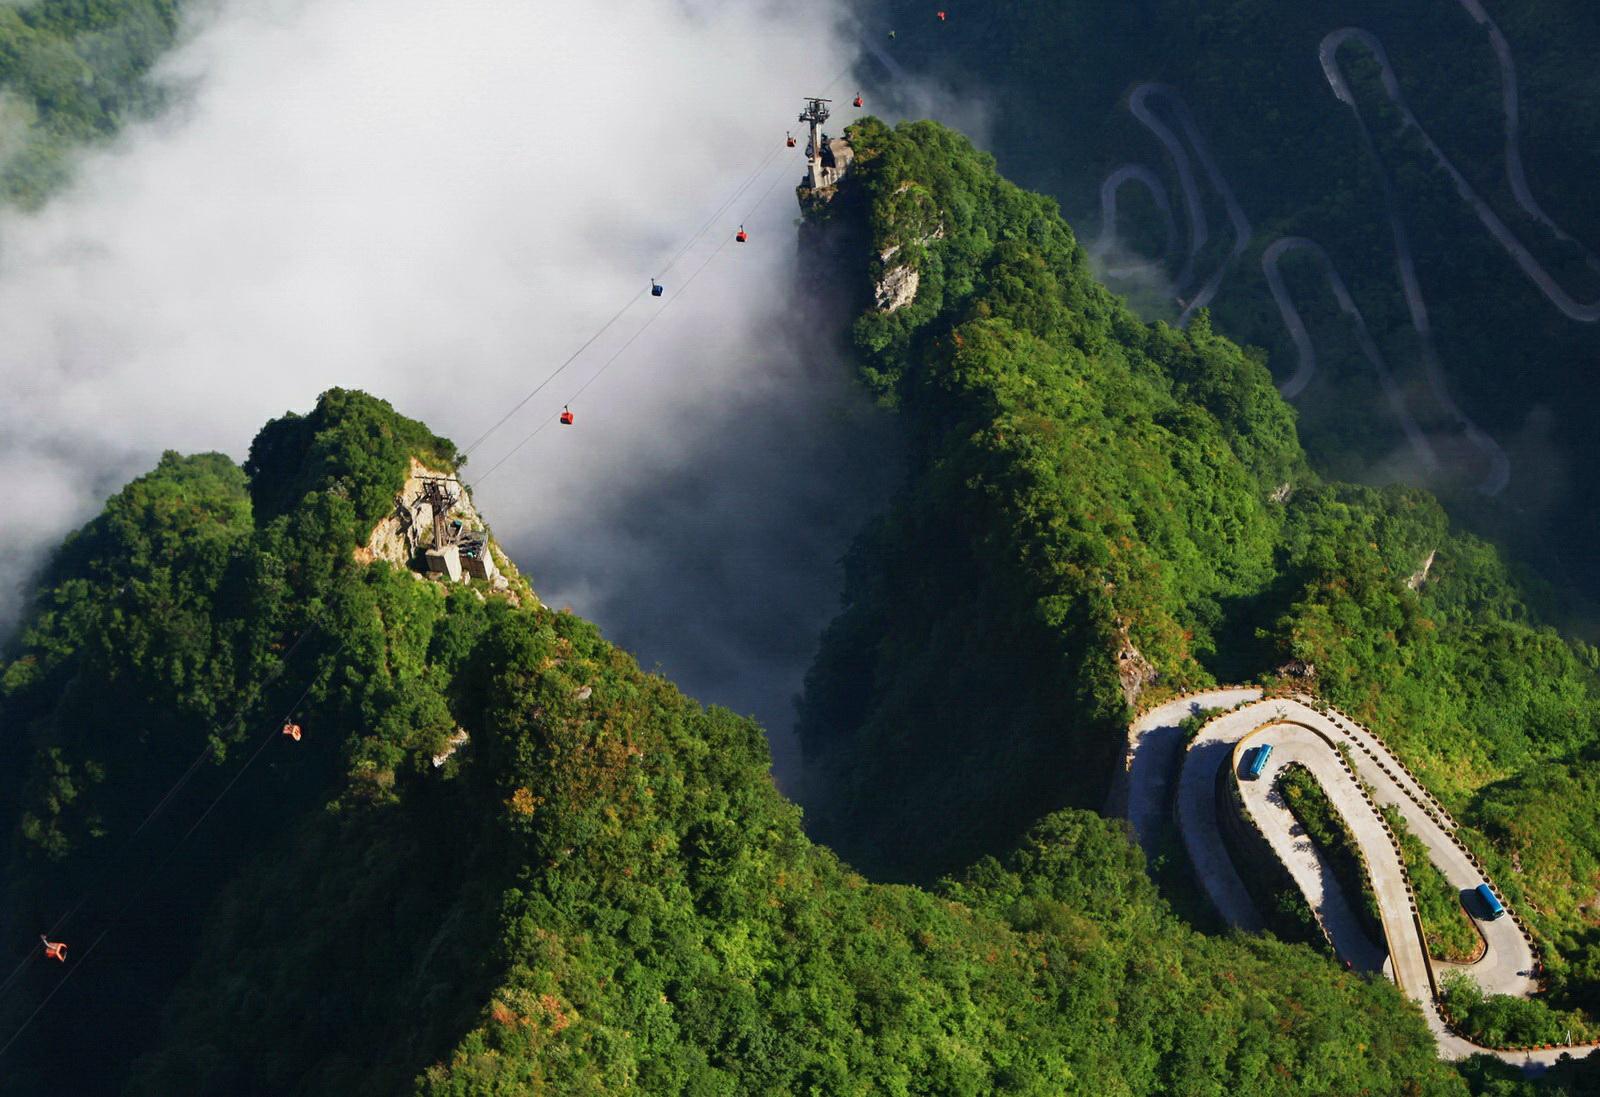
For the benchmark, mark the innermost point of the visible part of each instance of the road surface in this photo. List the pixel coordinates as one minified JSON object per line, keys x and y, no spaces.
{"x":1360,"y":775}
{"x":1497,"y":469}
{"x":1306,"y":349}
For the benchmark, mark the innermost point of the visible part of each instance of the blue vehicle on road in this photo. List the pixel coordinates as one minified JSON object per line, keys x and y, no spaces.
{"x":1257,"y":762}
{"x":1490,"y":903}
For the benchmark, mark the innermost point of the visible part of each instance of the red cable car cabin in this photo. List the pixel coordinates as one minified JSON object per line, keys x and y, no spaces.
{"x":788,"y":139}
{"x":858,"y":100}
{"x":941,"y":17}
{"x":741,"y":235}
{"x":54,"y":950}
{"x":566,"y":416}
{"x":292,"y":731}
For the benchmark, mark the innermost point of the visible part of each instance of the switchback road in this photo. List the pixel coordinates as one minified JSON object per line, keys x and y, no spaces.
{"x":1360,"y":775}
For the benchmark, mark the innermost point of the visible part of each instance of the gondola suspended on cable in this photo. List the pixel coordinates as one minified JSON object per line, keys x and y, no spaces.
{"x":656,"y":288}
{"x":292,"y":730}
{"x":741,"y":235}
{"x":788,"y":139}
{"x":941,"y":17}
{"x":54,"y":950}
{"x":857,"y":100}
{"x":566,"y":416}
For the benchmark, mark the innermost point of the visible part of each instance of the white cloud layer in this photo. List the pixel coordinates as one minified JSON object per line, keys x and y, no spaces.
{"x":437,"y":203}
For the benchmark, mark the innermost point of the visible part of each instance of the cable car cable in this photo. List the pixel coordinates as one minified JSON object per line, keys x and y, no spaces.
{"x":620,"y":350}
{"x":631,"y":339}
{"x":671,"y":263}
{"x":573,"y":357}
{"x":176,"y":787}
{"x":154,"y":874}
{"x":195,"y":765}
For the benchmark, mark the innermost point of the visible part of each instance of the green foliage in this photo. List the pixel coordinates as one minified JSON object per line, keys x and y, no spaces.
{"x":664,"y":926}
{"x":353,"y":447}
{"x":1445,"y":922}
{"x":1084,"y":483}
{"x":1499,"y":1020}
{"x":1056,"y":75}
{"x":1542,"y":828}
{"x":1496,"y":713}
{"x":1078,"y":474}
{"x":1568,"y":1078}
{"x":1326,"y":827}
{"x":177,"y":627}
{"x":1192,"y":724}
{"x":71,"y":72}
{"x":602,"y":889}
{"x":125,"y":638}
{"x":1283,"y":907}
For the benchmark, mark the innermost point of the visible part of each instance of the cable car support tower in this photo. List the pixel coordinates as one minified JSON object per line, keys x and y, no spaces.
{"x":814,"y":115}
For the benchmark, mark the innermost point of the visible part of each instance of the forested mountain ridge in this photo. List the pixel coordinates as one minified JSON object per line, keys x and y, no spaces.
{"x":602,"y":890}
{"x":1084,"y":486}
{"x":1095,"y":502}
{"x":72,"y":72}
{"x":1506,"y":90}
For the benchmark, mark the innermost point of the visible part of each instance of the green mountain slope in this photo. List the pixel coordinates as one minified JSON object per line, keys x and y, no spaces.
{"x":71,"y":73}
{"x":1099,"y":509}
{"x":1056,"y":77}
{"x":599,"y":889}
{"x":173,"y":629}
{"x":602,"y":890}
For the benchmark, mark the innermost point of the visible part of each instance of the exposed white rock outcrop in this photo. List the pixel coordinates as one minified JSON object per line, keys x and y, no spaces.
{"x":897,"y":288}
{"x":1420,"y":576}
{"x":388,"y":538}
{"x":457,"y":741}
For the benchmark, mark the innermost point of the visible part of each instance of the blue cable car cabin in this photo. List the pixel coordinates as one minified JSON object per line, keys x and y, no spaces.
{"x":1257,"y":762}
{"x":1490,"y":903}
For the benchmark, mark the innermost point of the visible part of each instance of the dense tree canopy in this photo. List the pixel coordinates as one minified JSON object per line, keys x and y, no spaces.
{"x":600,"y":888}
{"x":1085,"y":481}
{"x":1056,"y":76}
{"x":71,"y":72}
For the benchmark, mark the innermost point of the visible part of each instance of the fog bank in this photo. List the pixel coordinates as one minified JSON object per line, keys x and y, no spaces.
{"x":438,"y":203}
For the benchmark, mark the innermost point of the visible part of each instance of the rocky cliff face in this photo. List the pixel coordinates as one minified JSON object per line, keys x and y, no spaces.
{"x":389,"y":541}
{"x":901,"y":277}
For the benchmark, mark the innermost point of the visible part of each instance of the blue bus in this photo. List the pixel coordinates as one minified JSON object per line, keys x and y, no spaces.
{"x":1257,"y":762}
{"x":1490,"y":903}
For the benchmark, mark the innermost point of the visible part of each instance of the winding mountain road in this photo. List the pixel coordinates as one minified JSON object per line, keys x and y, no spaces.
{"x":1497,"y":468}
{"x":1140,"y":104}
{"x":1360,"y":775}
{"x":1499,"y":474}
{"x":1307,"y":350}
{"x":1511,"y":112}
{"x":1585,"y":312}
{"x":1106,"y":245}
